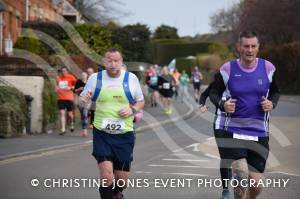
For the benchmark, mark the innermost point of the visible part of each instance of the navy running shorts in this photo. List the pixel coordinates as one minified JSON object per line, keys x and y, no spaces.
{"x":117,"y":148}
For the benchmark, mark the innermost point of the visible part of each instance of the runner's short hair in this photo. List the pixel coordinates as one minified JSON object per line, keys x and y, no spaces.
{"x":113,"y":50}
{"x":247,"y":34}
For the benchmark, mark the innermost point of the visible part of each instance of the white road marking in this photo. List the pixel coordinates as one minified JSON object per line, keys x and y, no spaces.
{"x":210,"y":138}
{"x":184,"y":160}
{"x":141,"y":172}
{"x":185,"y":174}
{"x":181,"y":154}
{"x":212,"y":156}
{"x":284,"y":173}
{"x":175,"y":166}
{"x":194,"y":146}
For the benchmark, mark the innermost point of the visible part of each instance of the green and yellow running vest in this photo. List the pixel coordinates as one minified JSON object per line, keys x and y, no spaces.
{"x":109,"y":101}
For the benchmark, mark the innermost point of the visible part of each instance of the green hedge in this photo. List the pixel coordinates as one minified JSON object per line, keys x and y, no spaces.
{"x":98,"y":38}
{"x":50,"y":112}
{"x":164,"y":52}
{"x":13,"y":106}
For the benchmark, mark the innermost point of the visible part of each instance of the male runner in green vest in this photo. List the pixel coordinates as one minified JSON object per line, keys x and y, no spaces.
{"x":113,"y":133}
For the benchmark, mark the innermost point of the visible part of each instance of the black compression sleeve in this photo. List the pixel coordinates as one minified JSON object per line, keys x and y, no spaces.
{"x":216,"y":91}
{"x":204,"y":95}
{"x":274,"y":93}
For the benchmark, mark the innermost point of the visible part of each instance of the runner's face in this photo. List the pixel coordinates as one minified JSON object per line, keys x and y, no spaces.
{"x":113,"y":63}
{"x":248,"y":49}
{"x":84,"y":76}
{"x":90,"y":71}
{"x":64,"y":71}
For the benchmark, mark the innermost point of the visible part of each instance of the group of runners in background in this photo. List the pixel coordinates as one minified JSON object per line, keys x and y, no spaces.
{"x":68,"y":89}
{"x":164,"y":85}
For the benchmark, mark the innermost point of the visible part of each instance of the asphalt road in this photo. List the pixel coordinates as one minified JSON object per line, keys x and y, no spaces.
{"x":174,"y":161}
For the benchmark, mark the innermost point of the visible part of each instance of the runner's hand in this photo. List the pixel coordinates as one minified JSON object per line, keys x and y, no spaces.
{"x":229,"y":106}
{"x":125,"y":112}
{"x":86,"y":98}
{"x":203,"y":108}
{"x":266,"y":104}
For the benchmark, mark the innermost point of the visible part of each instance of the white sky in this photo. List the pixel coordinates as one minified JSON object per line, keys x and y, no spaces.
{"x":190,"y":17}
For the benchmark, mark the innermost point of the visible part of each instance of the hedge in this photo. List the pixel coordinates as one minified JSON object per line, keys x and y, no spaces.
{"x":164,"y":52}
{"x":50,"y":112}
{"x":13,"y":110}
{"x":97,"y":37}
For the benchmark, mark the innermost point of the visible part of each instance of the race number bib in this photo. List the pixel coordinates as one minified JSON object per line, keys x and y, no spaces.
{"x":166,"y":85}
{"x":196,"y":80}
{"x":245,"y":137}
{"x":113,"y":124}
{"x":63,"y":84}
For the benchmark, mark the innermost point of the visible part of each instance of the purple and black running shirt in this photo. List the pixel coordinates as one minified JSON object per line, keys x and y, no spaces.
{"x":247,"y":86}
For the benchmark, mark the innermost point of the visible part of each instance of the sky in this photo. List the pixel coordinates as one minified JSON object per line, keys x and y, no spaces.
{"x":190,"y":17}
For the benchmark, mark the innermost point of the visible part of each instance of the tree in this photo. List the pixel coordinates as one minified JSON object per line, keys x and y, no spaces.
{"x":165,"y":32}
{"x":226,"y":20}
{"x":100,"y":10}
{"x":277,"y":22}
{"x":134,"y":41}
{"x":97,"y":37}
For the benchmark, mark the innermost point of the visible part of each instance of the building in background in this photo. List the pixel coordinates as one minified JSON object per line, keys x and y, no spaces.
{"x":1,"y":26}
{"x":70,"y":13}
{"x":14,"y":13}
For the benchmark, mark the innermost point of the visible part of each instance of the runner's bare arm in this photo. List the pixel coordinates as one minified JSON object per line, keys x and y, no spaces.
{"x":82,"y":100}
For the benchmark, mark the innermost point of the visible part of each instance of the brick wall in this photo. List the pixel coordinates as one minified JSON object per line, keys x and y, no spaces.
{"x":44,"y":10}
{"x":13,"y":18}
{"x":15,"y":14}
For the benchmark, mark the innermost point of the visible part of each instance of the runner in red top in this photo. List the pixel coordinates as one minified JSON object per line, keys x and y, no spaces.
{"x":64,"y":85}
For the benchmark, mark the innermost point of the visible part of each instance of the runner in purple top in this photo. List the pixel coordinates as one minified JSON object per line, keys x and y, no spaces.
{"x":245,"y":96}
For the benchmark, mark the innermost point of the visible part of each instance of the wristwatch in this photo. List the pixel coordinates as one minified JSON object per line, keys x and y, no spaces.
{"x":133,"y":110}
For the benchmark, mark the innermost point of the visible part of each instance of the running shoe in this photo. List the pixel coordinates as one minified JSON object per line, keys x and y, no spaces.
{"x":62,"y":132}
{"x":169,"y":112}
{"x":225,"y":194}
{"x":72,"y":127}
{"x":85,"y":133}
